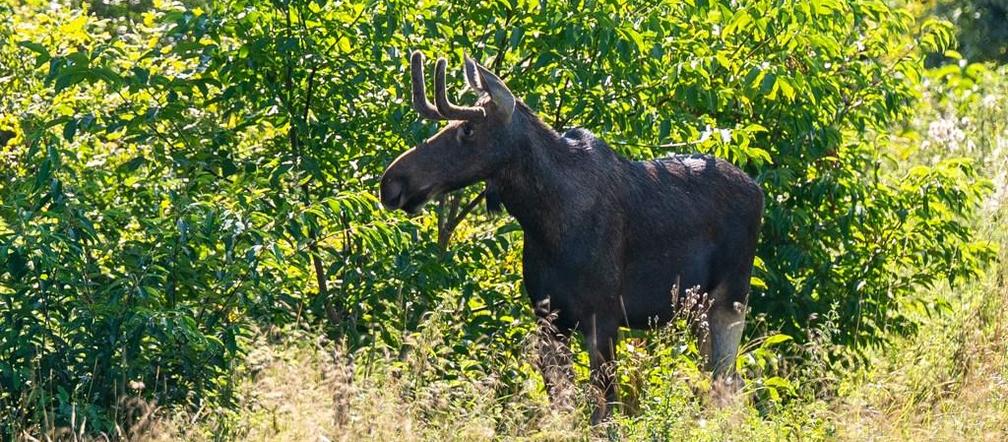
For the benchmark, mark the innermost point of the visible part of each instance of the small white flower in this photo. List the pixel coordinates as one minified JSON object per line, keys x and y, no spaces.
{"x":990,"y":101}
{"x":706,"y":133}
{"x":945,"y":131}
{"x":725,"y":135}
{"x":998,"y":196}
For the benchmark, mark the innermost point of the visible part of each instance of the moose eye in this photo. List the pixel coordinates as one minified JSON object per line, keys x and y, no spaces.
{"x":468,"y":131}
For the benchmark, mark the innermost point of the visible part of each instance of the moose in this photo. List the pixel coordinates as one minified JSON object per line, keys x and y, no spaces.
{"x":607,"y":240}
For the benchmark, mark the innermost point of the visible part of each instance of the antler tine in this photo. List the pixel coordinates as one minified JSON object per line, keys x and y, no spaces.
{"x":420,"y":102}
{"x":445,"y":107}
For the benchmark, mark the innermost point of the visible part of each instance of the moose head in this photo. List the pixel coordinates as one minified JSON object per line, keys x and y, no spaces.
{"x":477,"y":142}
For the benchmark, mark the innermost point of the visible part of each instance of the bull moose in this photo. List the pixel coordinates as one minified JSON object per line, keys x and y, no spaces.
{"x":606,"y":239}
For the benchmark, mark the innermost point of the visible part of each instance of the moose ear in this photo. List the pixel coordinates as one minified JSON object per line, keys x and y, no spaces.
{"x":481,"y":79}
{"x":472,"y":78}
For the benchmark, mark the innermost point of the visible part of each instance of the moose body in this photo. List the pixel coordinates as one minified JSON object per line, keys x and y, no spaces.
{"x":607,"y":241}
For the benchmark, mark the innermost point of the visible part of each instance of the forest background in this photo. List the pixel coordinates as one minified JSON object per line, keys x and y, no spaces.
{"x":191,"y":245}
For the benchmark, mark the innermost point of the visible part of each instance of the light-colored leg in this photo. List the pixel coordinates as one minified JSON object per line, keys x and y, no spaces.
{"x":726,"y":323}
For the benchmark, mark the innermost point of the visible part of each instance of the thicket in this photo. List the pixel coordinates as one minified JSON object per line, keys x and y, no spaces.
{"x":178,"y":176}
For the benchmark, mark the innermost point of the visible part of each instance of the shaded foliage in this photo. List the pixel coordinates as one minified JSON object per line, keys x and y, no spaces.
{"x":981,"y":25}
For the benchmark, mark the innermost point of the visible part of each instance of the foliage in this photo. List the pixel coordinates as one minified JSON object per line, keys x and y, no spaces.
{"x":980,"y":26}
{"x":181,"y":173}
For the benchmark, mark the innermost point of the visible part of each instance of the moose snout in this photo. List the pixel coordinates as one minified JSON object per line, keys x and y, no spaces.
{"x":390,"y":193}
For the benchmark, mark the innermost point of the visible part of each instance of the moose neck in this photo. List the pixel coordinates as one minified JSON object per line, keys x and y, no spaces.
{"x":536,"y":187}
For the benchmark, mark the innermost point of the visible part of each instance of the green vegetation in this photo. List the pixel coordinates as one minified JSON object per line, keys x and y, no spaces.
{"x":190,"y":243}
{"x":982,"y":33}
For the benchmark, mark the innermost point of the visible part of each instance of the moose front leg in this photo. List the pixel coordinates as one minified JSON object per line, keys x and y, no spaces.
{"x":600,"y":337}
{"x":726,"y":324}
{"x":554,"y":357}
{"x":720,"y":343}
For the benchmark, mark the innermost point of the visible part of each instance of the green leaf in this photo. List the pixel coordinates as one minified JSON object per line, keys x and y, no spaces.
{"x":344,"y":45}
{"x":778,"y":382}
{"x":43,"y":53}
{"x":69,"y":129}
{"x":772,"y":340}
{"x":767,"y":85}
{"x":43,"y":174}
{"x":786,"y":88}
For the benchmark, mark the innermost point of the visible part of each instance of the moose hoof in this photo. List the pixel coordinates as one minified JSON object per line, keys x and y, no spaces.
{"x":726,"y":390}
{"x":599,"y":417}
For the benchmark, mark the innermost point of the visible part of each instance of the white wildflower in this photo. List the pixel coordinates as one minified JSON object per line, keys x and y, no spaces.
{"x":944,"y":131}
{"x":1000,"y":193}
{"x":1001,"y":146}
{"x":989,"y":101}
{"x":706,"y":133}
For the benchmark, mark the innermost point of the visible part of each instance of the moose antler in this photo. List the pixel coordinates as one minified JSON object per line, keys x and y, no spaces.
{"x":445,"y":107}
{"x":420,"y":103}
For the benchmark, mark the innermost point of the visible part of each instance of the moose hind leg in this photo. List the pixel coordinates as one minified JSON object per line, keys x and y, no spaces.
{"x":600,"y":336}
